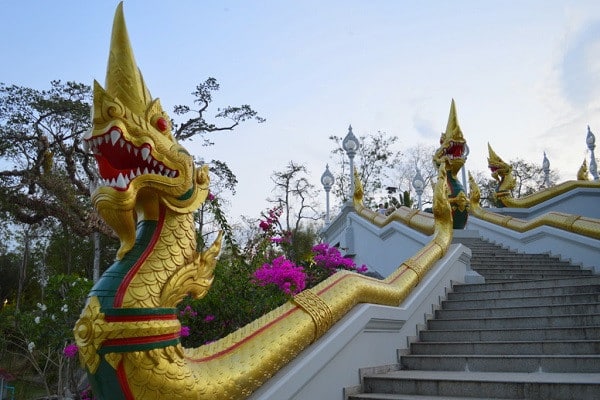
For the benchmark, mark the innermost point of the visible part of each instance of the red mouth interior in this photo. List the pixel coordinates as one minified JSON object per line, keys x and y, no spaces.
{"x":120,"y":161}
{"x":115,"y":160}
{"x":456,"y":150}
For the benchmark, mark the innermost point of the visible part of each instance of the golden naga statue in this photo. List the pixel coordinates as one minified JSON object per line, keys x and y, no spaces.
{"x":453,"y":153}
{"x":581,"y":225}
{"x":582,"y":173}
{"x":128,"y":333}
{"x":501,"y":172}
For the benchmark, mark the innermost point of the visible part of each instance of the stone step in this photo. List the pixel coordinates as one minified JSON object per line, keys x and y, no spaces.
{"x":565,"y":347}
{"x":491,"y":255}
{"x":534,"y":311}
{"x":478,"y":260}
{"x":531,"y":331}
{"x":548,"y":283}
{"x":556,"y":321}
{"x":388,"y":396}
{"x":526,"y":266}
{"x":528,"y":301}
{"x":518,"y":276}
{"x":540,"y":269}
{"x":503,"y":280}
{"x":494,"y":335}
{"x":521,"y":293}
{"x":508,"y":385}
{"x":502,"y":363}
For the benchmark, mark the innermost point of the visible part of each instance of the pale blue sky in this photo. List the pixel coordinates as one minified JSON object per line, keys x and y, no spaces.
{"x":525,"y":75}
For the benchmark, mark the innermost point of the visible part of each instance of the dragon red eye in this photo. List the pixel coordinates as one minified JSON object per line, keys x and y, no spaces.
{"x":161,"y":124}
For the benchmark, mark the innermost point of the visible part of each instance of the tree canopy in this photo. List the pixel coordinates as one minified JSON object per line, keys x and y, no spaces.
{"x":44,"y":170}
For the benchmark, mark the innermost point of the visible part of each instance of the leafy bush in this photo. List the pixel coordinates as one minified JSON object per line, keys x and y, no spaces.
{"x":39,"y":335}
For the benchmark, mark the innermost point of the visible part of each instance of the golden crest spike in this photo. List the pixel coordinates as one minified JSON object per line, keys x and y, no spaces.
{"x":492,"y":156}
{"x":123,"y":78}
{"x":452,"y":128}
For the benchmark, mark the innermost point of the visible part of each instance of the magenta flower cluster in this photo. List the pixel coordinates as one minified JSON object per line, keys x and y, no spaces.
{"x":332,"y":260}
{"x":87,"y":394}
{"x":285,"y":238}
{"x":185,"y":331}
{"x":209,"y":318}
{"x":271,"y":218}
{"x":188,"y":311}
{"x":70,"y":350}
{"x":283,"y":273}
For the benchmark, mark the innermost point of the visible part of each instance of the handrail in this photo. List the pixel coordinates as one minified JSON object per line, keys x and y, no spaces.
{"x":581,"y":225}
{"x":546,"y":194}
{"x":418,"y":220}
{"x":235,"y":366}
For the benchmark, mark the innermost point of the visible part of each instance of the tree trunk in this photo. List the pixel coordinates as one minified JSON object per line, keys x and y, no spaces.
{"x":23,"y":269}
{"x":96,"y":268}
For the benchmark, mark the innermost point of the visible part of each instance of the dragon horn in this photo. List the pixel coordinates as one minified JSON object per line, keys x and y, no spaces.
{"x":452,"y":128}
{"x":492,"y":156}
{"x":123,"y":78}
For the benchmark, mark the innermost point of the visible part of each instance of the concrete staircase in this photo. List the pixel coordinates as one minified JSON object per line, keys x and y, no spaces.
{"x":532,"y":331}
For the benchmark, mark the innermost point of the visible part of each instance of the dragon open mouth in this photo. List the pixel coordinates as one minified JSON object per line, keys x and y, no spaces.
{"x":455,"y":150}
{"x":120,"y":161}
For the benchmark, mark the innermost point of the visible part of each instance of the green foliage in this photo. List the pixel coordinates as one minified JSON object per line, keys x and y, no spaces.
{"x":40,"y":333}
{"x":9,"y":271}
{"x":232,"y":302}
{"x":46,"y":174}
{"x":406,"y":200}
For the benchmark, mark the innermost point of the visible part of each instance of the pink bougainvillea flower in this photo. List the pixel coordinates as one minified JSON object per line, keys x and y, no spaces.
{"x":70,"y":350}
{"x":264,"y":225}
{"x":209,"y":318}
{"x":188,"y":311}
{"x":287,"y":276}
{"x":330,"y":259}
{"x":185,"y":331}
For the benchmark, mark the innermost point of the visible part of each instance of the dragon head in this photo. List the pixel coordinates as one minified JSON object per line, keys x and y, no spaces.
{"x":498,"y":167}
{"x":141,"y":166}
{"x":582,"y":173}
{"x":453,"y":148}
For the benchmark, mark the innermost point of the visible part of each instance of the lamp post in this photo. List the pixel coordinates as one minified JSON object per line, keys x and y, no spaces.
{"x":591,"y":144}
{"x":463,"y":169}
{"x":327,"y":180}
{"x":418,"y":184}
{"x":350,"y":144}
{"x":546,"y":169}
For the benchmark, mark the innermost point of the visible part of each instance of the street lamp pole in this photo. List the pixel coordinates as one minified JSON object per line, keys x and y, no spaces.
{"x":591,"y":144}
{"x":418,"y":184}
{"x":350,"y":144}
{"x":327,"y":180}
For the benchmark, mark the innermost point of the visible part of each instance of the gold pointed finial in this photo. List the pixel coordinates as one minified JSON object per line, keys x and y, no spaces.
{"x":493,"y":158}
{"x":453,"y":128}
{"x":123,"y":78}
